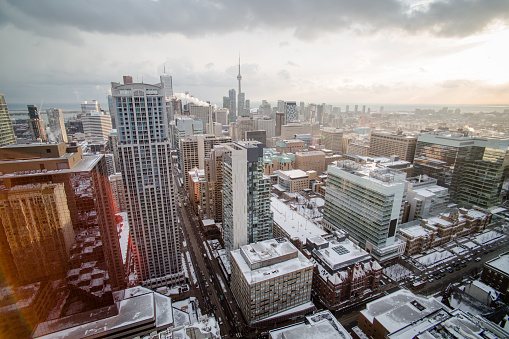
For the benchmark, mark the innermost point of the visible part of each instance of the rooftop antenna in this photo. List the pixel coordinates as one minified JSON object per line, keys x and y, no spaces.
{"x":164,"y":68}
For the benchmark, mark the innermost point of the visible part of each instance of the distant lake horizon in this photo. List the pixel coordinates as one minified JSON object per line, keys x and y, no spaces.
{"x":464,"y":108}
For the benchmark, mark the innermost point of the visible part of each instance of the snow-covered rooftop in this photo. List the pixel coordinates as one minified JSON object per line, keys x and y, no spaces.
{"x":415,"y":231}
{"x":136,"y":306}
{"x":455,"y":324}
{"x":501,"y":263}
{"x":400,"y":309}
{"x":317,"y":326}
{"x":340,"y":254}
{"x":284,"y":256}
{"x":292,"y":222}
{"x":294,"y":174}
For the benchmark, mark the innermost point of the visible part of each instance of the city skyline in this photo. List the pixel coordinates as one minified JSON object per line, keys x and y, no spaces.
{"x":411,"y":52}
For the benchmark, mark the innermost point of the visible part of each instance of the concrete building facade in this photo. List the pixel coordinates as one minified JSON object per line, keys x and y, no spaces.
{"x":386,"y":144}
{"x":270,"y":277}
{"x":147,"y":171}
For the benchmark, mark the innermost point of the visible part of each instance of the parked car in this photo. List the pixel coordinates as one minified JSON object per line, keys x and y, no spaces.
{"x":478,"y":259}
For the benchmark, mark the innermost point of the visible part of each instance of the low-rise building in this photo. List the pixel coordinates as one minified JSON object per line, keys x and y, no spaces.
{"x":275,"y":161}
{"x":496,"y":274}
{"x":450,"y":324}
{"x":343,"y":270}
{"x":290,"y":224}
{"x":269,"y":279}
{"x":293,"y":181}
{"x":436,"y":231}
{"x":391,"y":313}
{"x":310,"y":161}
{"x":319,"y":325}
{"x":290,"y":146}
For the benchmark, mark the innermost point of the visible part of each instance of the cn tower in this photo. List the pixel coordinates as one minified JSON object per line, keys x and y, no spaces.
{"x":239,"y":77}
{"x":240,"y":105}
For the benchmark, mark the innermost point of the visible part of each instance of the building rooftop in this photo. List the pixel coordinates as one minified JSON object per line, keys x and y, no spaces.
{"x":415,"y":231}
{"x":294,"y":174}
{"x":293,"y":223}
{"x":393,"y":134}
{"x":340,"y":254}
{"x":310,"y":153}
{"x":501,"y":263}
{"x":400,"y":309}
{"x":371,"y":172}
{"x":136,"y":307}
{"x":456,"y":324}
{"x":320,"y":325}
{"x":272,"y":258}
{"x":85,"y":164}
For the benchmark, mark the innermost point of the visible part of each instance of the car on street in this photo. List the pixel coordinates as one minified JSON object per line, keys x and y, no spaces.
{"x":478,"y":259}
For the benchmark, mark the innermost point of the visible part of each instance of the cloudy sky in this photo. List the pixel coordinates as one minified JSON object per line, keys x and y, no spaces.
{"x":334,"y":51}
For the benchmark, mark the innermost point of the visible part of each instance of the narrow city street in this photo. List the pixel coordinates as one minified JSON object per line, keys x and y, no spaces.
{"x":212,"y":289}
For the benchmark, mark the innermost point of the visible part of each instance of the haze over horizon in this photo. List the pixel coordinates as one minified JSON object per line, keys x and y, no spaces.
{"x":383,"y":52}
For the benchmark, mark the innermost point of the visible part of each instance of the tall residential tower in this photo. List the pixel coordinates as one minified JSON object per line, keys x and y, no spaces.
{"x":36,"y":124}
{"x":247,"y":217}
{"x":147,"y":171}
{"x":6,"y":132}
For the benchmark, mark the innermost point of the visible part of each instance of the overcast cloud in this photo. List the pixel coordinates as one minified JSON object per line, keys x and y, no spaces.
{"x":389,"y":50}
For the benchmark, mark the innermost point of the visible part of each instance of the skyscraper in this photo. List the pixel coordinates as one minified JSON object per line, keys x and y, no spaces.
{"x":147,"y":172}
{"x":233,"y":105}
{"x":386,"y":144}
{"x":247,"y":217}
{"x":226,"y":102}
{"x":36,"y":124}
{"x":167,"y":82}
{"x":241,"y":99}
{"x":471,"y":167}
{"x":58,"y":234}
{"x":482,"y":179}
{"x":67,"y":183}
{"x":6,"y":132}
{"x":56,"y":125}
{"x":291,"y":111}
{"x":38,"y":228}
{"x":96,"y":125}
{"x":280,"y":121}
{"x":367,"y":203}
{"x":90,"y":106}
{"x":333,"y":139}
{"x":193,"y":151}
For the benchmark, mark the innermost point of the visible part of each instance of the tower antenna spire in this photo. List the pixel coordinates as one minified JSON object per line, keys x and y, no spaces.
{"x":239,"y":77}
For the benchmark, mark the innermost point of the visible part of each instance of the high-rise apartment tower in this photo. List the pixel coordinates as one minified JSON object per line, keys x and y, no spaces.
{"x":147,"y":172}
{"x":6,"y":132}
